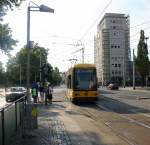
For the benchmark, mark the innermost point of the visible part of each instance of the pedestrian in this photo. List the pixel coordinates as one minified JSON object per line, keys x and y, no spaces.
{"x":41,"y":90}
{"x":50,"y":93}
{"x":34,"y":92}
{"x":34,"y":95}
{"x":45,"y":91}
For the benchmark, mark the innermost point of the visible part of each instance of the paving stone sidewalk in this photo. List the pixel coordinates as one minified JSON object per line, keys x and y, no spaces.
{"x":54,"y":128}
{"x":51,"y":130}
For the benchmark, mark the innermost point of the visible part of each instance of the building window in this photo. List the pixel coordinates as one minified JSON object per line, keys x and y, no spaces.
{"x":118,"y":46}
{"x":115,"y":46}
{"x":114,"y":21}
{"x":114,"y":27}
{"x":115,"y":65}
{"x":112,"y":72}
{"x":119,"y":65}
{"x":112,"y":46}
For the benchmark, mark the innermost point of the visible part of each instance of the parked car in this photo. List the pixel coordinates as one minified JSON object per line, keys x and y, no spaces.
{"x":14,"y":93}
{"x":113,"y":86}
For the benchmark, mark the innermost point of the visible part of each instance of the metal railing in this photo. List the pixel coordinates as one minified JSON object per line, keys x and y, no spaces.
{"x":11,"y":119}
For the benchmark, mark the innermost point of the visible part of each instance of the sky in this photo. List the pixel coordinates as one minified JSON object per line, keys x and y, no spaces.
{"x":72,"y":21}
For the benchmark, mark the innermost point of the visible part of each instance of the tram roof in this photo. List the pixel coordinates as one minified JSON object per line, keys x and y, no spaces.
{"x":81,"y":65}
{"x":85,"y":65}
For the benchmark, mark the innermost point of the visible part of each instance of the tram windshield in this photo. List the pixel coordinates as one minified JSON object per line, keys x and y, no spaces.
{"x":85,"y":79}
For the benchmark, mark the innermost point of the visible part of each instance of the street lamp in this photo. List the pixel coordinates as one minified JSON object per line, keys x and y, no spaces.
{"x":41,"y":8}
{"x":133,"y":71}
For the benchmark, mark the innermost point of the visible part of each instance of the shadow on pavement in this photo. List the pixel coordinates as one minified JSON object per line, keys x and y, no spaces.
{"x":109,"y":104}
{"x":120,"y":107}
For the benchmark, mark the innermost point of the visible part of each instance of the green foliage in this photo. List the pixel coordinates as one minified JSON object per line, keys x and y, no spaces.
{"x":18,"y":63}
{"x":56,"y":78}
{"x":6,"y":41}
{"x":2,"y":74}
{"x":12,"y":70}
{"x":142,"y":60}
{"x":10,"y":3}
{"x":14,"y":64}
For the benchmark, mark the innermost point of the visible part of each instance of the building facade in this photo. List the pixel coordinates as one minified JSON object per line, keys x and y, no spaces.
{"x":112,"y":49}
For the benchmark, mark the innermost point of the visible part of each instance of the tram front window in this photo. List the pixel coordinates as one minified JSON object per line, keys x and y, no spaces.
{"x":85,"y":79}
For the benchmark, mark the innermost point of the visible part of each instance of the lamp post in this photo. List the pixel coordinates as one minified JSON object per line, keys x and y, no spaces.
{"x":20,"y":73}
{"x":41,"y":8}
{"x":40,"y":67}
{"x":133,"y":71}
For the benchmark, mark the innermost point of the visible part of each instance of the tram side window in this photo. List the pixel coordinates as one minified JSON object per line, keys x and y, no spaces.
{"x":69,"y":81}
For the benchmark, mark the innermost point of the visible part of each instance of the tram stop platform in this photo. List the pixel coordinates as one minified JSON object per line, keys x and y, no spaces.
{"x":53,"y":128}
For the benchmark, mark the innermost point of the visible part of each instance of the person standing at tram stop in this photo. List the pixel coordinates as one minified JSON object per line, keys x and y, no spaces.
{"x":41,"y":90}
{"x":34,"y":92}
{"x":50,"y":93}
{"x":45,"y":85}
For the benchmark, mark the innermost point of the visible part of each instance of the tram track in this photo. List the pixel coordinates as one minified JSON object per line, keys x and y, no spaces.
{"x":88,"y":113}
{"x":126,"y":117}
{"x":94,"y":112}
{"x":131,"y":142}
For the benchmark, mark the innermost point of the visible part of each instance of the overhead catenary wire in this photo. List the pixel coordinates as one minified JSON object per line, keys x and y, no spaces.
{"x":135,"y":34}
{"x":143,"y":23}
{"x":91,"y":41}
{"x":95,"y":21}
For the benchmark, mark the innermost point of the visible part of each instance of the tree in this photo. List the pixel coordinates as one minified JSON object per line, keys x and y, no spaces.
{"x":5,"y":4}
{"x":19,"y":63}
{"x":56,"y":78}
{"x":2,"y":74}
{"x":6,"y":41}
{"x":8,"y":4}
{"x":142,"y":60}
{"x":12,"y":71}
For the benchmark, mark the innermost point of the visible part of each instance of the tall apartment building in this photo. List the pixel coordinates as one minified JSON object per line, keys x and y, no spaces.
{"x":112,"y":48}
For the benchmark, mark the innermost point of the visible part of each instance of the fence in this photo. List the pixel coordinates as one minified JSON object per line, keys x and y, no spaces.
{"x":11,"y":118}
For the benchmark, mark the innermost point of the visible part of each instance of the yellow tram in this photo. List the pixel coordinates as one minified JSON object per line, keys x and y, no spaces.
{"x":82,"y":83}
